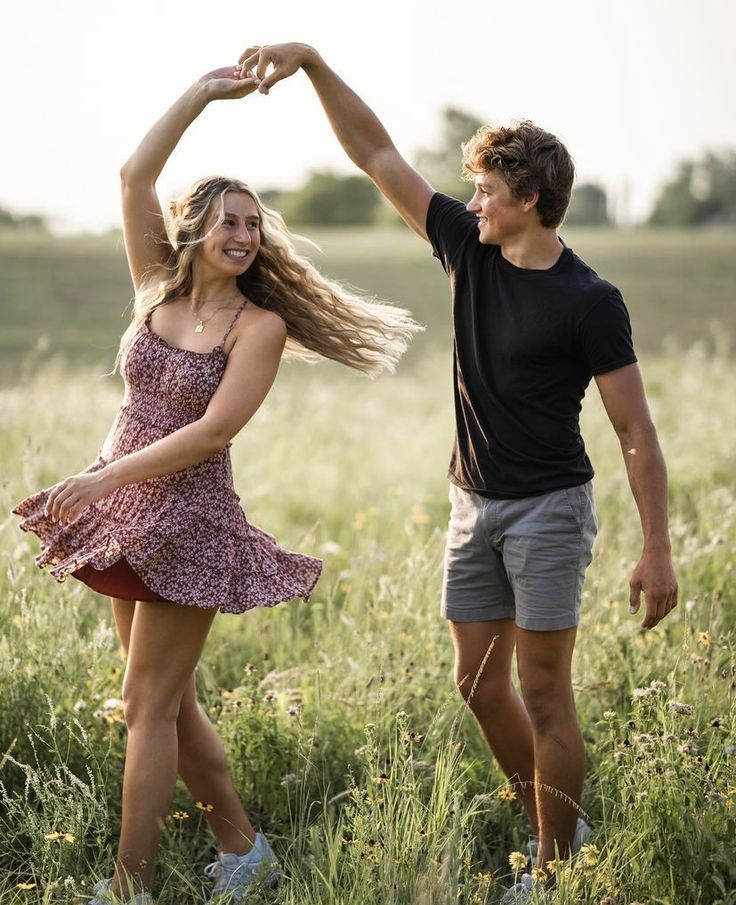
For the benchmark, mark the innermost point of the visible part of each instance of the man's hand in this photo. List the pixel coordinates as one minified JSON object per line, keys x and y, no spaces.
{"x":283,"y":60}
{"x":655,"y":576}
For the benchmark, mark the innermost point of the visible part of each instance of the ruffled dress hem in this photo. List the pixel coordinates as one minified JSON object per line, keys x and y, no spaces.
{"x":110,"y":551}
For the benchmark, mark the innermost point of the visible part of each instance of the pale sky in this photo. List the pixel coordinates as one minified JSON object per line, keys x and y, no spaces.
{"x":632,"y":86}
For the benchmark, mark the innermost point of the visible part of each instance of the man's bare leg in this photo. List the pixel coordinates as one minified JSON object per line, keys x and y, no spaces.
{"x":544,"y":662}
{"x":495,"y":702}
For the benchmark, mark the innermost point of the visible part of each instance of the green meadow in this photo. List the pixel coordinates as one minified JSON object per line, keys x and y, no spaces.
{"x":347,"y":738}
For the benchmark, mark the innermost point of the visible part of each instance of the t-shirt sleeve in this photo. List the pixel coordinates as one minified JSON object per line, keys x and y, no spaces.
{"x":449,"y":227}
{"x":604,"y":335}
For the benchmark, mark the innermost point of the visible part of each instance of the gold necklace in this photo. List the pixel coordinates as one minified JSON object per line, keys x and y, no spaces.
{"x":201,"y":321}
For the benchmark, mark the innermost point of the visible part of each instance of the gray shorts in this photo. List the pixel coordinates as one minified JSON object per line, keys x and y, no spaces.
{"x":519,"y":559}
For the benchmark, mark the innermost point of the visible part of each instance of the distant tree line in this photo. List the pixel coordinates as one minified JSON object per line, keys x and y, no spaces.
{"x":702,"y":192}
{"x":9,"y":220}
{"x":329,"y":199}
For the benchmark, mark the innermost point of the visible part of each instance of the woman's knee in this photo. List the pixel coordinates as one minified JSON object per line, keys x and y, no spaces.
{"x":145,"y":701}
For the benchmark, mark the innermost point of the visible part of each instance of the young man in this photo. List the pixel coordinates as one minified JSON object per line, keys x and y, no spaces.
{"x":532,"y":325}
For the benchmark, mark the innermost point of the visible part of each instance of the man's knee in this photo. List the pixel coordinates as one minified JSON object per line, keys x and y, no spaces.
{"x":547,"y":704}
{"x":483,"y":693}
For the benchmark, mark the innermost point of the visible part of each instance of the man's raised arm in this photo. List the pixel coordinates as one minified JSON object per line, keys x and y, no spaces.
{"x":356,"y":126}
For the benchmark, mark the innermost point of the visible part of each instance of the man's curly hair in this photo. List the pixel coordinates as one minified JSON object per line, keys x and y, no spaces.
{"x":529,"y":160}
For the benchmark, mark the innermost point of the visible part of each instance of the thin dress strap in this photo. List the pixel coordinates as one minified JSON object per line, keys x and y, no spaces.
{"x":232,"y":324}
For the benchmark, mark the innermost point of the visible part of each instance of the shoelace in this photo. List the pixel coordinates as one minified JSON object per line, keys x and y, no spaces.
{"x":215,"y":872}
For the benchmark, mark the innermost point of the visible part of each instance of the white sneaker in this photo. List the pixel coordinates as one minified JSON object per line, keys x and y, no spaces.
{"x":103,"y":896}
{"x":237,"y":875}
{"x":582,"y":834}
{"x":528,"y":890}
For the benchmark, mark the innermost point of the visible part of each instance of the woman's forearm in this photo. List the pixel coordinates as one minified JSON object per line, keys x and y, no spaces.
{"x":187,"y":446}
{"x":150,"y":156}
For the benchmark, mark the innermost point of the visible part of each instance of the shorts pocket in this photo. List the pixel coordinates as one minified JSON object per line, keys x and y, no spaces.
{"x":578,"y":504}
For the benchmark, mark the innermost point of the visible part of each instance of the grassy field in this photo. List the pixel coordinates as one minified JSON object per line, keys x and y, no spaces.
{"x":68,"y":297}
{"x":347,"y":738}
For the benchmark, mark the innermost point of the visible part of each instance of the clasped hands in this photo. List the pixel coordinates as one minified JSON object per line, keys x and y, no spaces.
{"x":258,"y":69}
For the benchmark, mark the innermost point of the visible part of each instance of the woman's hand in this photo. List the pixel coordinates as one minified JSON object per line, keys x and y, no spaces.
{"x":69,"y":497}
{"x":229,"y":82}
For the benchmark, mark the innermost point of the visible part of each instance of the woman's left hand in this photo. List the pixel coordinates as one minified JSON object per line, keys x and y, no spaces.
{"x":229,"y":82}
{"x":69,"y":497}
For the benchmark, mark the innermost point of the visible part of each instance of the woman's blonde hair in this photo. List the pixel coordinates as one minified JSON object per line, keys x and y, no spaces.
{"x":324,"y":319}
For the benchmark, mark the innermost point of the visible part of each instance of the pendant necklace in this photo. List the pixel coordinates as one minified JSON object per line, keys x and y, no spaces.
{"x":201,"y":321}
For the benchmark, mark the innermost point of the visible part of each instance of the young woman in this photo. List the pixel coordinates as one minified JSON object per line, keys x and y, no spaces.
{"x":154,"y":521}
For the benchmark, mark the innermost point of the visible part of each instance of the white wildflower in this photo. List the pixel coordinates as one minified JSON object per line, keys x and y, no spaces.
{"x":638,"y":693}
{"x":330,"y":548}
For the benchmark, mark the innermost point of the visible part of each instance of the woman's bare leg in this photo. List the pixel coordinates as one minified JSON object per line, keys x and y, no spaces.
{"x":203,"y":767}
{"x":155,"y":680}
{"x":202,"y":762}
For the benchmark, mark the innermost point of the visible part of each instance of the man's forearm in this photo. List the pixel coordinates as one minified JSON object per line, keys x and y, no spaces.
{"x":356,"y":126}
{"x":647,"y":475}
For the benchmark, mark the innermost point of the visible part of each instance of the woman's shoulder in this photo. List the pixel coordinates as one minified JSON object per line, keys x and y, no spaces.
{"x":257,"y":321}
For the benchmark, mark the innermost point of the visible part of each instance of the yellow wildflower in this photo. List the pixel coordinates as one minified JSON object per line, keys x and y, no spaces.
{"x":59,"y":837}
{"x":588,"y":855}
{"x":517,"y":860}
{"x":539,"y":875}
{"x":180,"y":815}
{"x":704,"y":639}
{"x":419,"y":515}
{"x":207,"y":808}
{"x":507,"y":795}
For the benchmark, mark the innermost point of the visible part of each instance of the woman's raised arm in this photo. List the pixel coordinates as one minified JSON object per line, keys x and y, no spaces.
{"x":146,"y":242}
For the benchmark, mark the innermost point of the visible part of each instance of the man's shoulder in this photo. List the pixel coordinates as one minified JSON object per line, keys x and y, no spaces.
{"x":589,"y":286}
{"x":453,"y":233}
{"x":446,"y":212}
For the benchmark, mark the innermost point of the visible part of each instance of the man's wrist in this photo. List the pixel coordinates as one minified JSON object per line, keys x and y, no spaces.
{"x":311,"y":60}
{"x":657,"y":548}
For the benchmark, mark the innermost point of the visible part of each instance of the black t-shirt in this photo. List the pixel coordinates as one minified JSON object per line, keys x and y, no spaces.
{"x":526,"y":345}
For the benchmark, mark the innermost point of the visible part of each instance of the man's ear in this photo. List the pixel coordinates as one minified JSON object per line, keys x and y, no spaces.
{"x":531,"y":201}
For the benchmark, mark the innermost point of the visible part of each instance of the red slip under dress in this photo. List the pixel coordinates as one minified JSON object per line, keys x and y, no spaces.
{"x":183,"y":537}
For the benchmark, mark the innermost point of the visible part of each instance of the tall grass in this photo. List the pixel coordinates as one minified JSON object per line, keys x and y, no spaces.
{"x":348,"y":741}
